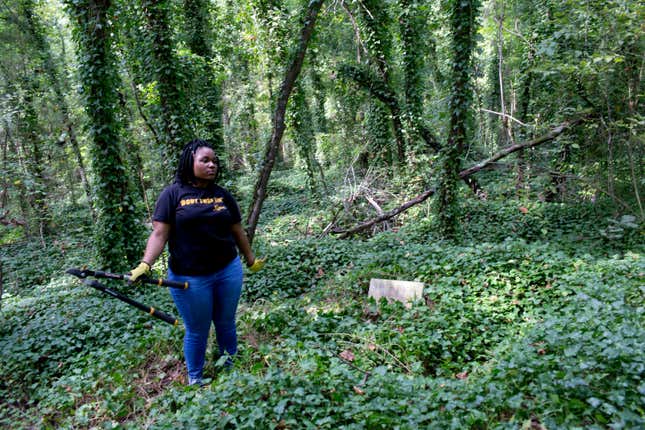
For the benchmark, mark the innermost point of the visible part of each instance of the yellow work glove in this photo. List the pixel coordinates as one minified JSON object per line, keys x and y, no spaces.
{"x":141,"y":270}
{"x":257,"y":265}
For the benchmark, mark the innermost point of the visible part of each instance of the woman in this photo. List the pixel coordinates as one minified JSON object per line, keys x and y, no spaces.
{"x":201,"y":223}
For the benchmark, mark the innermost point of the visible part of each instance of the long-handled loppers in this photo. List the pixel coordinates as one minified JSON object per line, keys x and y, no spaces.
{"x":84,"y":273}
{"x":117,"y":295}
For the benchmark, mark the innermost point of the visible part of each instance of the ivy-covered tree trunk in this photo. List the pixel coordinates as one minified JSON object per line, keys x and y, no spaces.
{"x":378,"y":40}
{"x":463,"y":25}
{"x":196,"y":14}
{"x":34,"y":161}
{"x":302,"y":123}
{"x":318,"y":96}
{"x":525,"y":102}
{"x":378,"y":135}
{"x":412,"y":37}
{"x":197,"y":26}
{"x":117,"y":235}
{"x":247,"y":124}
{"x":174,"y":122}
{"x":4,"y":194}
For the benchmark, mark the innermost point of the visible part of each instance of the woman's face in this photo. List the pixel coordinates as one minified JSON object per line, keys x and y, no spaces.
{"x":205,"y":164}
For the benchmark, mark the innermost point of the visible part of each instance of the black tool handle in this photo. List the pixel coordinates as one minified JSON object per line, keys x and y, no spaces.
{"x":163,"y":316}
{"x":164,"y":282}
{"x":84,"y":273}
{"x":148,"y":309}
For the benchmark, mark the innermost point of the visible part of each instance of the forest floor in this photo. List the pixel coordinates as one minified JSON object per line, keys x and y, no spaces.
{"x":532,"y":319}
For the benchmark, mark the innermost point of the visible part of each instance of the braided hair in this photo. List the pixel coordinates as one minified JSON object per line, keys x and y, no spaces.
{"x":185,"y":173}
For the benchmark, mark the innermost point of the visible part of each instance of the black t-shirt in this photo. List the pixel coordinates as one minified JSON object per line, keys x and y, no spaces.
{"x":201,"y":240}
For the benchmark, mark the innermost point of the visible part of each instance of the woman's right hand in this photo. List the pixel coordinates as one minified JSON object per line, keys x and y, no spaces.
{"x":141,"y":270}
{"x":154,"y":246}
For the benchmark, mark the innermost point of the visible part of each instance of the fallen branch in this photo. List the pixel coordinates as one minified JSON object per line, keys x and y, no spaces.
{"x":374,"y":204}
{"x":375,"y":346}
{"x":552,"y":134}
{"x":387,"y":215}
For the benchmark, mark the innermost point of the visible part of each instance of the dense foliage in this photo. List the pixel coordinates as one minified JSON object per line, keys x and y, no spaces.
{"x":532,"y":315}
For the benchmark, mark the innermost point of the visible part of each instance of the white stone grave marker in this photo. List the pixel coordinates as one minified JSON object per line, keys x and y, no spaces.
{"x":403,"y":291}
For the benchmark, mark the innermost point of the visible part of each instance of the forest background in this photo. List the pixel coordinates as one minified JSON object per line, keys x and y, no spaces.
{"x":490,"y":149}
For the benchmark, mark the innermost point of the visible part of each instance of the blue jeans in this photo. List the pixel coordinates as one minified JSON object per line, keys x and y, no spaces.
{"x":208,"y":298}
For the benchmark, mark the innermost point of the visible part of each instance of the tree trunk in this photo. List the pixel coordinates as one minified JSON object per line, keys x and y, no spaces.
{"x":197,"y":26}
{"x":197,"y":22}
{"x":118,"y":231}
{"x":1,"y":284}
{"x":164,"y":63}
{"x":30,"y":131}
{"x":260,"y":189}
{"x":506,"y":124}
{"x":319,"y":99}
{"x":301,"y":122}
{"x":4,"y":195}
{"x":379,"y":90}
{"x":412,"y":37}
{"x":463,"y":23}
{"x":524,"y":114}
{"x":377,"y":37}
{"x":23,"y":193}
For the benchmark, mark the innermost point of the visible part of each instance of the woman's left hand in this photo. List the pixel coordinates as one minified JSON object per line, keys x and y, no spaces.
{"x":257,"y":265}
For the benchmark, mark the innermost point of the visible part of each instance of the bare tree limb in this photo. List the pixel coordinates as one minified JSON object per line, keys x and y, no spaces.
{"x":505,"y":115}
{"x":387,"y":215}
{"x":375,"y":205}
{"x":357,"y":33}
{"x":5,"y":220}
{"x":552,"y":134}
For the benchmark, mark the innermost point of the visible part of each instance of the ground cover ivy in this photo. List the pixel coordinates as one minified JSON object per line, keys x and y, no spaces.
{"x":514,"y":331}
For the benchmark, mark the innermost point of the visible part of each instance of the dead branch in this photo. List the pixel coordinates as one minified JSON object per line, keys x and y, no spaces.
{"x":332,"y":222}
{"x":552,"y":134}
{"x":387,"y":215}
{"x":357,"y":33}
{"x":512,"y":118}
{"x":375,"y":205}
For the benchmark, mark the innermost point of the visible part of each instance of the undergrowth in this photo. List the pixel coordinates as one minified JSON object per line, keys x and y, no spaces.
{"x":532,"y":319}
